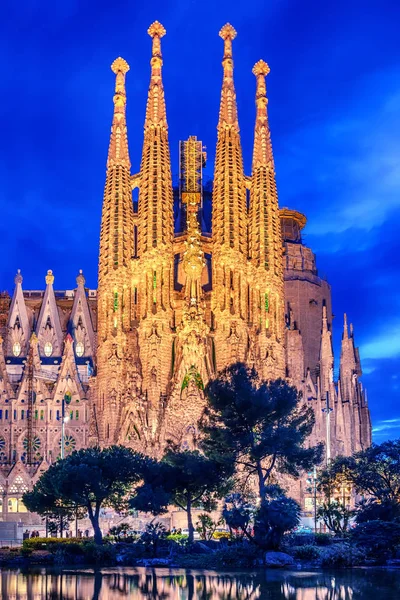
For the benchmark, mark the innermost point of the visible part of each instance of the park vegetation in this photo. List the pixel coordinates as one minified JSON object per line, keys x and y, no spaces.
{"x":253,"y":440}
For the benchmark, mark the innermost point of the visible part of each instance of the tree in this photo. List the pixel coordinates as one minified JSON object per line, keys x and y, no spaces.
{"x":187,"y":479}
{"x":334,"y":483}
{"x":238,"y":513}
{"x":335,"y":516}
{"x":375,"y":470}
{"x":58,"y":513}
{"x":206,"y":526}
{"x":261,"y":426}
{"x":90,"y":478}
{"x":277,"y":515}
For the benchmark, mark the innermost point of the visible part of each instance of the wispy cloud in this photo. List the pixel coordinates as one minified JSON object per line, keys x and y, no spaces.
{"x":384,"y":345}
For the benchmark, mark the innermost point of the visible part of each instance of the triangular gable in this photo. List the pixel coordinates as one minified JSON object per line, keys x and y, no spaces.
{"x":48,"y":328}
{"x":80,"y":324}
{"x":68,"y":378}
{"x":18,"y":328}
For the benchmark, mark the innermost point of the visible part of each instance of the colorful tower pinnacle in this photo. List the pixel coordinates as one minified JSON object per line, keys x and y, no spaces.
{"x":229,"y":193}
{"x":229,"y":224}
{"x":116,"y":249}
{"x":265,"y":243}
{"x":116,"y":236}
{"x":155,"y":198}
{"x":153,"y":271}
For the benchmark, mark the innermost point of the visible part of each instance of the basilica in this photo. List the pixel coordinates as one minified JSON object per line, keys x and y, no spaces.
{"x":189,"y":281}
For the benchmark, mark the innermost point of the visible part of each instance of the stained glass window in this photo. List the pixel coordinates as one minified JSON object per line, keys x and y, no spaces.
{"x":48,"y":349}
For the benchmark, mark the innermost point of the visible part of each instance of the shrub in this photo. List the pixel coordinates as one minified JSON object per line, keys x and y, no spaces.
{"x":94,"y":553}
{"x":379,"y":538}
{"x":342,"y":555}
{"x":177,"y":537}
{"x":323,"y":539}
{"x":308,"y":552}
{"x":221,"y":535}
{"x":298,"y":539}
{"x":238,"y":555}
{"x":43,"y":543}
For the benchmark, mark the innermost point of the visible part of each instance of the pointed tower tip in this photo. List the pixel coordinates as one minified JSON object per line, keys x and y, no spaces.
{"x":49,"y":277}
{"x":228,"y":32}
{"x":345,"y":330}
{"x":34,"y":339}
{"x":156,"y":30}
{"x":80,"y":280}
{"x":120,"y":66}
{"x":18,"y":277}
{"x":261,"y":68}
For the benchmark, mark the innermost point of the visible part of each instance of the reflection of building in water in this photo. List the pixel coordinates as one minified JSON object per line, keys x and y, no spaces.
{"x":178,"y":584}
{"x":234,"y":282}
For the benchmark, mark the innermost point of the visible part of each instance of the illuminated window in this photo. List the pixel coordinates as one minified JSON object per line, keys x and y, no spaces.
{"x":48,"y":349}
{"x":79,"y":349}
{"x":16,"y":348}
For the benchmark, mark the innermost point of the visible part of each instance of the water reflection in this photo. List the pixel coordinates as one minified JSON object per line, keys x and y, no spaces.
{"x":176,"y":584}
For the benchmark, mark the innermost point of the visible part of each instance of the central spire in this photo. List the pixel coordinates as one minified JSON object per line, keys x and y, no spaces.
{"x":155,"y":198}
{"x":229,"y":218}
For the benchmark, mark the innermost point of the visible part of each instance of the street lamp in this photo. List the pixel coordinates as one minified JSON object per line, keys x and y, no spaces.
{"x":327,"y":410}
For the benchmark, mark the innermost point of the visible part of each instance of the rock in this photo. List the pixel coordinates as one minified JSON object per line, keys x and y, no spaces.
{"x":154,"y":562}
{"x":278,"y":560}
{"x":200,"y":548}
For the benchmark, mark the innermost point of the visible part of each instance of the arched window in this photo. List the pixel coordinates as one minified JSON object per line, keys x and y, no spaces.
{"x":48,"y":349}
{"x":16,"y":348}
{"x":80,"y":349}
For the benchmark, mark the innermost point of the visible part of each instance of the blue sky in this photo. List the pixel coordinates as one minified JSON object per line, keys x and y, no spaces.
{"x":334,"y":105}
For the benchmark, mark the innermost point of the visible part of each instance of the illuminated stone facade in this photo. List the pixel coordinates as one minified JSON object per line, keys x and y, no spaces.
{"x":172,"y":309}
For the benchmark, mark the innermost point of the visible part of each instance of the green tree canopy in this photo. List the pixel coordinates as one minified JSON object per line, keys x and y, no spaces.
{"x":260,"y":426}
{"x":186,"y":479}
{"x":374,"y":471}
{"x":90,"y":478}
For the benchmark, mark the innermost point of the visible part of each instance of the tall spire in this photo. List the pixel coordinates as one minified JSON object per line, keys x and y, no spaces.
{"x":265,"y":241}
{"x":265,"y":244}
{"x":116,"y":237}
{"x":229,"y":216}
{"x":155,"y":198}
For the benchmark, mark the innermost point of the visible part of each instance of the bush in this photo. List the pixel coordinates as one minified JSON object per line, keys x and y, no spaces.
{"x":177,"y":537}
{"x":323,"y":539}
{"x":308,"y":552}
{"x":342,"y":555}
{"x":298,"y":539}
{"x":238,"y":555}
{"x":379,"y":538}
{"x":43,"y":543}
{"x":94,"y":553}
{"x":221,"y":535}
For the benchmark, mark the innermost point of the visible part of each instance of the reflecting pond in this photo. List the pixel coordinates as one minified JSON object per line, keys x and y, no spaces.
{"x":181,"y":584}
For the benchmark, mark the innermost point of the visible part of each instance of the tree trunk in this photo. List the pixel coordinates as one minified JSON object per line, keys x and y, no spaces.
{"x":94,"y":519}
{"x":189,"y":520}
{"x":261,"y":484}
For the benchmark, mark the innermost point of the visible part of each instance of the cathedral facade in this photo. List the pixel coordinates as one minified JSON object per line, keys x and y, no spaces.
{"x":177,"y":301}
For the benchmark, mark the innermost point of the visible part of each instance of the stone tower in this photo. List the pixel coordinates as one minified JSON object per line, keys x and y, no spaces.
{"x":114,"y":290}
{"x":265,"y":246}
{"x":229,"y":298}
{"x":172,"y":308}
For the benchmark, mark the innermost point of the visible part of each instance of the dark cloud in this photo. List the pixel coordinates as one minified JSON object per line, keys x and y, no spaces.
{"x":334,"y":92}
